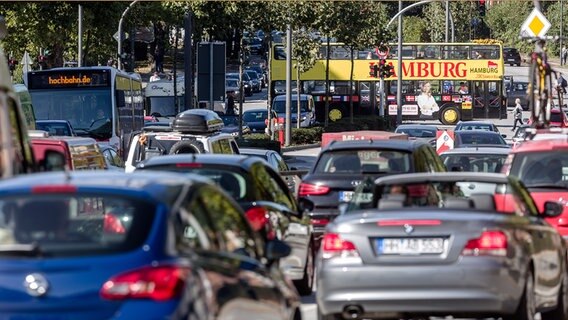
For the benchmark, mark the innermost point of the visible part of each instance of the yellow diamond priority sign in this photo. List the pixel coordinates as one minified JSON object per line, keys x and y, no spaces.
{"x":536,"y":25}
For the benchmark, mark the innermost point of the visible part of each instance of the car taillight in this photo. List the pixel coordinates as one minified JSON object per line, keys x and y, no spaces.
{"x":490,"y":243}
{"x":334,"y":246}
{"x":112,"y":224}
{"x":155,"y":283}
{"x":307,"y":189}
{"x":257,"y":217}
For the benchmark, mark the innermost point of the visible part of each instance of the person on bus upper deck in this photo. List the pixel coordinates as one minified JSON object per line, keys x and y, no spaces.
{"x":155,"y":77}
{"x":463,"y":88}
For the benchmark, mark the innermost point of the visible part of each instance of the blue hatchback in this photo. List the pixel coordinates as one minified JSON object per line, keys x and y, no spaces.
{"x":140,"y":246}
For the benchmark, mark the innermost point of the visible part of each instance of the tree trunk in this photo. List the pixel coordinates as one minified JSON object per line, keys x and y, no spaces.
{"x":86,"y":50}
{"x":326,"y":117}
{"x":351,"y":88}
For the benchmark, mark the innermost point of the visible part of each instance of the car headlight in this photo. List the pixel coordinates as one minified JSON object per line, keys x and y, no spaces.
{"x":303,"y":118}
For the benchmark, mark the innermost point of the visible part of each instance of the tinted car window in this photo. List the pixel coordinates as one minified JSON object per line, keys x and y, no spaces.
{"x":474,"y":162}
{"x":357,"y":161}
{"x":54,"y":129}
{"x":75,"y":225}
{"x":556,"y":117}
{"x":418,"y":132}
{"x":472,"y":138}
{"x":541,"y":168}
{"x":255,"y":116}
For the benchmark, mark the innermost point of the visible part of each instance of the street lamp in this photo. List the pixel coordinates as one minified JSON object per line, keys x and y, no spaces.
{"x":120,"y":33}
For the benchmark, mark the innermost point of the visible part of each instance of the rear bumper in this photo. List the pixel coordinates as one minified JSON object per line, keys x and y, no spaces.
{"x":461,"y":288}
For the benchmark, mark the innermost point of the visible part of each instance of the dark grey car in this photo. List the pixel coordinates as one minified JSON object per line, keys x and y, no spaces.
{"x":468,"y":245}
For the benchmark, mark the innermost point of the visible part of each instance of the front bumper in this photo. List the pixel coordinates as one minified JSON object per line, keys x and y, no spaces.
{"x":466,"y":287}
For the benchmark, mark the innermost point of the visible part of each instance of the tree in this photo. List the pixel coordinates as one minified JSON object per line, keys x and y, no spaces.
{"x":506,"y":26}
{"x":305,"y":51}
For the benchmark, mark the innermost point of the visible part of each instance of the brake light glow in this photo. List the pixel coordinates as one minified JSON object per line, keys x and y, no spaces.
{"x":155,"y":283}
{"x":490,"y":243}
{"x":54,"y":189}
{"x":334,"y":246}
{"x":257,"y":217}
{"x":189,"y":165}
{"x":112,"y":224}
{"x":320,"y":222}
{"x":307,"y":189}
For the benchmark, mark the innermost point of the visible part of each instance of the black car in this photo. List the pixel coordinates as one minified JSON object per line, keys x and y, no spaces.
{"x":473,"y":138}
{"x":343,"y":165}
{"x":266,"y":200}
{"x":256,"y":119}
{"x":518,"y":90}
{"x":511,"y":56}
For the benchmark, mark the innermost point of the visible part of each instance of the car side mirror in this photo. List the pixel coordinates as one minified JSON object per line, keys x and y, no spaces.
{"x":277,"y":249}
{"x":552,"y":209}
{"x":305,"y":206}
{"x":53,"y":161}
{"x":504,"y":135}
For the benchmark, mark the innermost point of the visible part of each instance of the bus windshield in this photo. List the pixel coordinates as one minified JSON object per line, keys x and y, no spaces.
{"x":89,"y":110}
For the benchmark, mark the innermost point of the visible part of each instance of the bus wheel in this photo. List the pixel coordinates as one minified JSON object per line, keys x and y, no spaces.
{"x":450,"y":116}
{"x":335,"y":113}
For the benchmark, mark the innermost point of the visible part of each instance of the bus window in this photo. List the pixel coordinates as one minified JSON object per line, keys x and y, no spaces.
{"x":313,"y":86}
{"x":408,"y":52}
{"x":279,"y":53}
{"x":485,"y":52}
{"x":366,"y":54}
{"x":280,"y":87}
{"x":339,"y":53}
{"x":341,"y":87}
{"x":408,"y":87}
{"x":428,"y":52}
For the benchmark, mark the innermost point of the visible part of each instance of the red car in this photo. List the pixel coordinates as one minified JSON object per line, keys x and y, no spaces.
{"x":542,"y":165}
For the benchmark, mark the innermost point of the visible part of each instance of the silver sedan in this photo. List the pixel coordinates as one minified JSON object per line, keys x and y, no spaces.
{"x":468,"y":245}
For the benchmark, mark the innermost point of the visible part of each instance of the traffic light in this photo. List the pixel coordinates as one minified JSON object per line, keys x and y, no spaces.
{"x":481,"y":7}
{"x":374,"y":71}
{"x":388,"y":71}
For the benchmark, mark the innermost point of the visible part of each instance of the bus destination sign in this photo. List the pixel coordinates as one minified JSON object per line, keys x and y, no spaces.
{"x":68,"y":78}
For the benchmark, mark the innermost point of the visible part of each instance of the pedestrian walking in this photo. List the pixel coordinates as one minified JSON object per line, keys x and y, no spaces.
{"x":230,"y":110}
{"x":564,"y":55}
{"x":518,"y":114}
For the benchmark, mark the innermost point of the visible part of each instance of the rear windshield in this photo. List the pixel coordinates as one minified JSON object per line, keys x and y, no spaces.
{"x":542,"y":169}
{"x":72,"y":225}
{"x":363,"y":161}
{"x":473,"y":138}
{"x":233,"y":182}
{"x":478,"y":126}
{"x":457,"y":195}
{"x":55,"y":129}
{"x":474,"y":162}
{"x":556,"y":117}
{"x":254,"y":116}
{"x":418,"y":132}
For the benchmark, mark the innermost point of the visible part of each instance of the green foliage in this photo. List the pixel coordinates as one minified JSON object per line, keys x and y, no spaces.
{"x":506,"y":26}
{"x":362,"y":123}
{"x":415,"y":29}
{"x":302,"y":136}
{"x":435,"y":16}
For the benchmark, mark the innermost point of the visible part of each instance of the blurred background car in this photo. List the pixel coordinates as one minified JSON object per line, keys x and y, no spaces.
{"x":456,"y":231}
{"x":475,"y":159}
{"x":425,"y":133}
{"x":265,"y":199}
{"x":123,"y":246}
{"x":256,"y":119}
{"x":512,"y":56}
{"x":231,"y":125}
{"x":473,"y":138}
{"x":517,"y":90}
{"x":476,"y":125}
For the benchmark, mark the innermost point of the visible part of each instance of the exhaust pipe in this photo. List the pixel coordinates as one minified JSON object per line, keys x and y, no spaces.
{"x":352,"y":312}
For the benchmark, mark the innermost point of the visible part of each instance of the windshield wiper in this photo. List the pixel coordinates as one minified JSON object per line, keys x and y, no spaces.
{"x":21,"y":250}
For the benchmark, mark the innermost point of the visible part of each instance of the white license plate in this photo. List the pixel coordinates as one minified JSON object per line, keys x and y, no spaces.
{"x":410,"y":246}
{"x":346,"y":196}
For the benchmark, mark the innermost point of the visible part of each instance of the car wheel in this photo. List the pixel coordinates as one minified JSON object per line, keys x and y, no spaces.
{"x":561,"y":310}
{"x":450,"y":116}
{"x":527,"y":306}
{"x":305,"y":285}
{"x":328,"y":316}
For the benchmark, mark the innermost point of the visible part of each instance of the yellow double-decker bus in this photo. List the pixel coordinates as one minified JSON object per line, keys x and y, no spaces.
{"x":448,"y":82}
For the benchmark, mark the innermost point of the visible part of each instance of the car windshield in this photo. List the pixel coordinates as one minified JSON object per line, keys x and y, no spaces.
{"x":473,"y":138}
{"x":73,"y":225}
{"x":477,"y":162}
{"x":232,"y":181}
{"x":255,"y":116}
{"x":232,"y":83}
{"x":417,"y":132}
{"x":252,"y":74}
{"x":55,"y":128}
{"x":280,"y":106}
{"x":363,"y":161}
{"x":230,"y":121}
{"x":460,"y":195}
{"x":556,"y":117}
{"x":543,"y":168}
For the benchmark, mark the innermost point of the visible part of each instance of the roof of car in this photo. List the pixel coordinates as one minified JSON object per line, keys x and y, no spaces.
{"x":476,"y":122}
{"x":416,"y":126}
{"x":240,"y":161}
{"x":476,"y":132}
{"x":425,"y":177}
{"x":478,"y":150}
{"x":396,"y":144}
{"x":541,"y":145}
{"x":148,"y":185}
{"x":282,"y":97}
{"x":255,"y":110}
{"x":255,"y":151}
